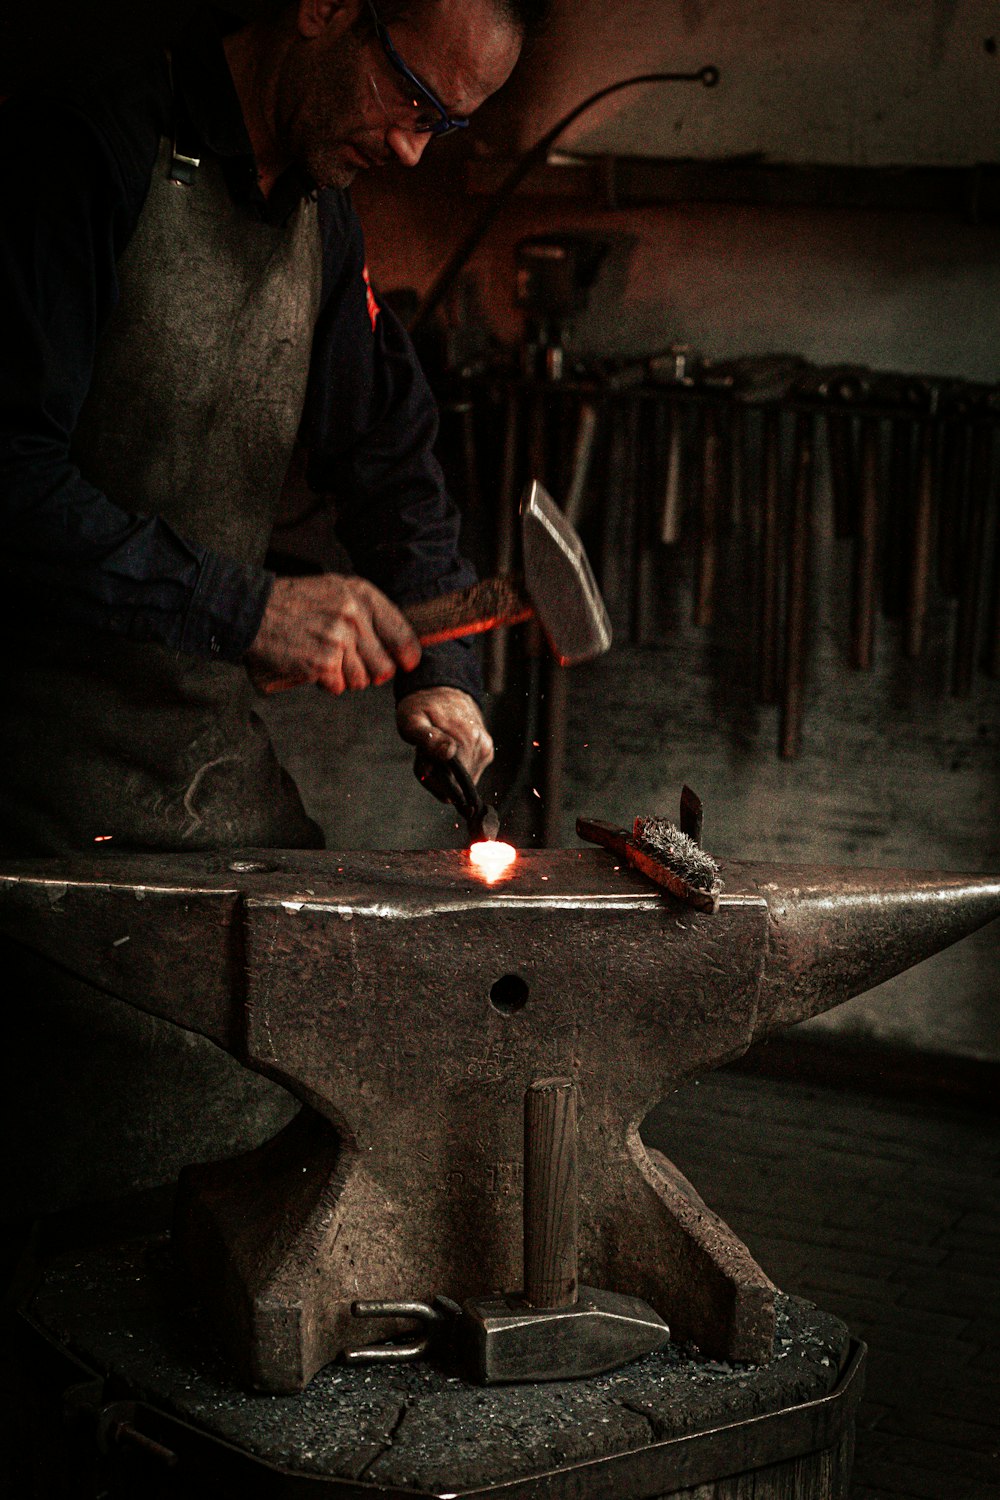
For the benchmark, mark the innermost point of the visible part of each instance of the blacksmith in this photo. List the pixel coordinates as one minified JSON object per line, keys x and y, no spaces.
{"x":183,"y":301}
{"x":184,"y":296}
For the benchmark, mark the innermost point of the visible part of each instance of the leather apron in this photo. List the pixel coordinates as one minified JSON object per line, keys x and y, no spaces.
{"x":193,"y":413}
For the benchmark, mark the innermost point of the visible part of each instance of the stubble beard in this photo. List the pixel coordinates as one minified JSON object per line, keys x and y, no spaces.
{"x":330,"y":174}
{"x":319,"y":100}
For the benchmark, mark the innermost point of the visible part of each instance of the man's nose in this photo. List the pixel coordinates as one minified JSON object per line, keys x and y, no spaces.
{"x":408,"y":145}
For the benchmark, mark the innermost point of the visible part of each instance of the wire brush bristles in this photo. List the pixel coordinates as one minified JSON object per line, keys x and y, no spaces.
{"x":679,"y":853}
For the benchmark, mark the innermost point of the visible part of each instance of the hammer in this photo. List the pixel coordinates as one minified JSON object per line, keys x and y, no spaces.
{"x":558,"y":588}
{"x":554,"y":1329}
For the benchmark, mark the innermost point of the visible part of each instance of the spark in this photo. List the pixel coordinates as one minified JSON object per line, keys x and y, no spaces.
{"x":103,"y":838}
{"x":491,"y":859}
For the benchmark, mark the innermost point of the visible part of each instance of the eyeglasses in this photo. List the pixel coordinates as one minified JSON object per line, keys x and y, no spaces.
{"x":430,"y":116}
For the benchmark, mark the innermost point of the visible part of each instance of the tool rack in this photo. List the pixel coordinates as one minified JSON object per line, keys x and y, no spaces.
{"x":677,"y":466}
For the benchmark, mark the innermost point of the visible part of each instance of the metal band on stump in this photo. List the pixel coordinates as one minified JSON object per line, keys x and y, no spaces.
{"x":550,"y":1193}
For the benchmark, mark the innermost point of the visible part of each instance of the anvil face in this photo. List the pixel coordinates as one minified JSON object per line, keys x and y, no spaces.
{"x":410,"y":1005}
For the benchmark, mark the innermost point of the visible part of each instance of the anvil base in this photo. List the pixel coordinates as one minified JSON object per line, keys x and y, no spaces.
{"x":665,"y":1426}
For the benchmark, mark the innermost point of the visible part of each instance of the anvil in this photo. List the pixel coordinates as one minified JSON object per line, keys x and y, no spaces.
{"x":409,"y":1005}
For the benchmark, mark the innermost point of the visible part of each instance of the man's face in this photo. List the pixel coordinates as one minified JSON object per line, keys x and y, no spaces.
{"x":340,"y":104}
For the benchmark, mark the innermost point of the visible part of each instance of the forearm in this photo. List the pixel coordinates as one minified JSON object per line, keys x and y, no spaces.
{"x":72,"y":555}
{"x":394,"y":515}
{"x":406,"y":541}
{"x":401,"y":530}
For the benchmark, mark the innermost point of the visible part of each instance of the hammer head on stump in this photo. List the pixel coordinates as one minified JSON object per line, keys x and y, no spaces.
{"x":559,"y":581}
{"x":512,"y":1342}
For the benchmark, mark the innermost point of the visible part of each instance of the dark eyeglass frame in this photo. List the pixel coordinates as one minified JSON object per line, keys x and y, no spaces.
{"x":445,"y":122}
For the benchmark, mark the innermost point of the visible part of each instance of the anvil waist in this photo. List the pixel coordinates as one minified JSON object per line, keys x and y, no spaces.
{"x":192,"y":415}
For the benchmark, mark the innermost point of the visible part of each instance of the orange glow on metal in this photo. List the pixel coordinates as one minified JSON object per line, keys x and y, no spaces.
{"x":491,"y":859}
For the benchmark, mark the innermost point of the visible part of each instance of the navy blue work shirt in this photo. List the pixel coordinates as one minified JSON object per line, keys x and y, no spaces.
{"x":76,"y":172}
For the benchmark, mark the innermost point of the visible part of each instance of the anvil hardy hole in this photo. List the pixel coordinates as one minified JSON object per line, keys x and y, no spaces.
{"x":510,"y":993}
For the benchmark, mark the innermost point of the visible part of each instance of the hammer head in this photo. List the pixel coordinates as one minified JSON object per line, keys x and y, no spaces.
{"x":512,"y":1342}
{"x":559,"y":581}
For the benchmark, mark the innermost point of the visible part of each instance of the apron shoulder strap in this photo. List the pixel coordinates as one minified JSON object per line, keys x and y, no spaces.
{"x":184,"y":164}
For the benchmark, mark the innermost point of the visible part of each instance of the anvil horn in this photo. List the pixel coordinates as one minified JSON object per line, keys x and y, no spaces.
{"x":835,"y":933}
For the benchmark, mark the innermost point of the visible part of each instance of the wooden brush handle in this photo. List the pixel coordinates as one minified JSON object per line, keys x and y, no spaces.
{"x":596,"y":831}
{"x":495,"y":601}
{"x":550,"y":1193}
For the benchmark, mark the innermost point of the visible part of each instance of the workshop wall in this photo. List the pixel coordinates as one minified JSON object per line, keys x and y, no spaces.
{"x":903,"y":81}
{"x":842,"y":83}
{"x":898,"y":291}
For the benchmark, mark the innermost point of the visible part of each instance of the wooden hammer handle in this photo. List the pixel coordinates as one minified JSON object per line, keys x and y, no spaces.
{"x":550,"y":1193}
{"x":493,"y":602}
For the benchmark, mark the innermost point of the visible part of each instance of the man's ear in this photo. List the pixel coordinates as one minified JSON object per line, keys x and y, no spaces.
{"x":316,"y":17}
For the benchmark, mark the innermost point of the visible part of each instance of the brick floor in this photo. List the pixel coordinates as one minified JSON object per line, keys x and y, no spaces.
{"x":886,"y":1213}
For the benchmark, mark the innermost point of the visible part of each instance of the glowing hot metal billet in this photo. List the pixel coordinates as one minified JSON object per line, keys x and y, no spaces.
{"x":491,"y":859}
{"x":412,"y":1032}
